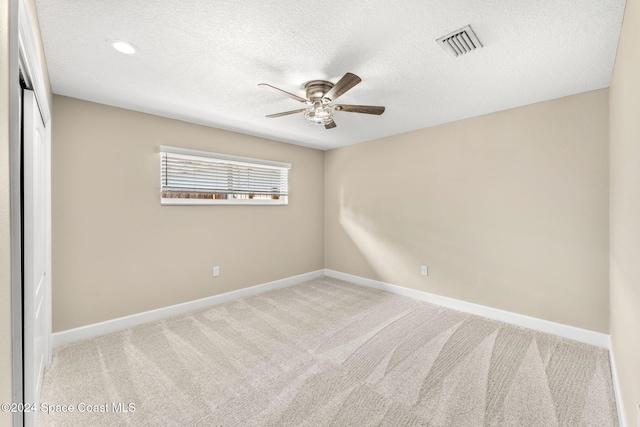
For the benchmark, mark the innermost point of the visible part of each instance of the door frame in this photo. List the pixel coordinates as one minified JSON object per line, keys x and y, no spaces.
{"x":24,"y":60}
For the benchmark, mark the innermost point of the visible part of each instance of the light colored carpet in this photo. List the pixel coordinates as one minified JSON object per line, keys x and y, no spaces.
{"x":330,"y":353}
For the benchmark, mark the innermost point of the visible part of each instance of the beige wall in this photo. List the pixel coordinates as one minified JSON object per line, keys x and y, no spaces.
{"x":625,"y":212}
{"x":508,"y":210}
{"x":5,"y":215}
{"x":116,"y":251}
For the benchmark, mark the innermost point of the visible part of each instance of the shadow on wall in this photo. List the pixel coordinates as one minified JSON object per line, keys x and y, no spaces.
{"x":391,"y":262}
{"x":470,"y":253}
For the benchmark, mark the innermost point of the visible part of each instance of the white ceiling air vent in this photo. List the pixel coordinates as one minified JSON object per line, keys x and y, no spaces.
{"x":460,"y":41}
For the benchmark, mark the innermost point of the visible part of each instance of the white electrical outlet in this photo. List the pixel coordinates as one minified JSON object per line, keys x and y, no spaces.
{"x":216,"y":271}
{"x":424,"y":270}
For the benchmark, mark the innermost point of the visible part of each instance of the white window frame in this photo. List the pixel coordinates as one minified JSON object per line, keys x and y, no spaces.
{"x":224,"y":159}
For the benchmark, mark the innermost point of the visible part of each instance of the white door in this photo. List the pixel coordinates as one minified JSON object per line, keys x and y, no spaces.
{"x":35,"y":302}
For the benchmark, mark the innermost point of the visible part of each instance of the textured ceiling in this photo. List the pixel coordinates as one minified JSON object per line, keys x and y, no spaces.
{"x":201,"y":60}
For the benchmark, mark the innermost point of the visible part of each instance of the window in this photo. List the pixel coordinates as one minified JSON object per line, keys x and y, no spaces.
{"x":190,"y":177}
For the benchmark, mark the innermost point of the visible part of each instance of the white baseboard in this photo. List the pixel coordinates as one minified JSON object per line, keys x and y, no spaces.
{"x":578,"y":334}
{"x":84,"y":332}
{"x":616,"y":386}
{"x":97,"y":329}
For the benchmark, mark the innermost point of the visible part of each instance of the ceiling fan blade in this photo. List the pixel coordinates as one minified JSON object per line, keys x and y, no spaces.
{"x":330,"y":125}
{"x":286,"y":113}
{"x":366,"y":109}
{"x":282,"y":92}
{"x":344,"y":84}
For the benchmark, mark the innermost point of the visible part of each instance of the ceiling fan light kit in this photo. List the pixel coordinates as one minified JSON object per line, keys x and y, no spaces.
{"x":320,"y":113}
{"x":320,"y":94}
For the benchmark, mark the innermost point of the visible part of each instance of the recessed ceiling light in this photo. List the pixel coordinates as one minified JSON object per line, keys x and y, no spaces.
{"x":124,"y":47}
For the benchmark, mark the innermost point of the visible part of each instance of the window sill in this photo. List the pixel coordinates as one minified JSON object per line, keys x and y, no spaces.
{"x":175,"y":201}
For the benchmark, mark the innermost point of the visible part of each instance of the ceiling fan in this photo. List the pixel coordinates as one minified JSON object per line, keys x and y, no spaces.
{"x":320,"y":95}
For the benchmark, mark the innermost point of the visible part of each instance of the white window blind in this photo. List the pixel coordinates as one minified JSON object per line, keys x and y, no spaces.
{"x":200,"y":177}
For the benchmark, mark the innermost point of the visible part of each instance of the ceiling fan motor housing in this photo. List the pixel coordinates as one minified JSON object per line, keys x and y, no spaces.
{"x":316,"y":89}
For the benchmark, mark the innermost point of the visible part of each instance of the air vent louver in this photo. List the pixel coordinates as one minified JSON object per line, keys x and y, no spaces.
{"x":460,"y":41}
